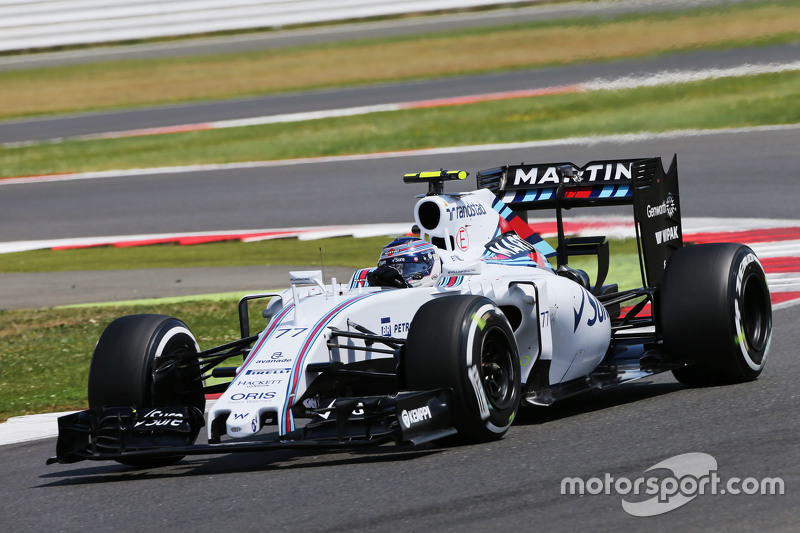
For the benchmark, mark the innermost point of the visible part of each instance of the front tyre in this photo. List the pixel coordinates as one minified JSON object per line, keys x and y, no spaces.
{"x":123,"y":369}
{"x":716,"y":310}
{"x":465,"y":343}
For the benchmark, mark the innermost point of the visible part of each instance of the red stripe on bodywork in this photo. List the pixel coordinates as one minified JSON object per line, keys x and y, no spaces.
{"x":583,"y":192}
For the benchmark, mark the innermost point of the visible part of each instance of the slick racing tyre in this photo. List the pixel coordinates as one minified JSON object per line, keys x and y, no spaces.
{"x":121,"y":372}
{"x":715,"y":310}
{"x":465,"y":343}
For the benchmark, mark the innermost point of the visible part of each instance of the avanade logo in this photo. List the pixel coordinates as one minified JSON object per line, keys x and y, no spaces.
{"x":690,"y":475}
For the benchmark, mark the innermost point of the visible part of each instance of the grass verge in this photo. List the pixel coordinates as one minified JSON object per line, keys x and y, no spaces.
{"x":338,"y":251}
{"x":122,"y":84}
{"x":721,"y":103}
{"x":45,"y":354}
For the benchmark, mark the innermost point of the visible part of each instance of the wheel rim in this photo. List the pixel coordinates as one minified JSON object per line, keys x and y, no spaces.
{"x":497,"y":369}
{"x":173,"y":385}
{"x":756,"y":315}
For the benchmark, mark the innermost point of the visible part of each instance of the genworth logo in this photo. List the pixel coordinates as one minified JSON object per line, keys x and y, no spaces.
{"x":691,"y":475}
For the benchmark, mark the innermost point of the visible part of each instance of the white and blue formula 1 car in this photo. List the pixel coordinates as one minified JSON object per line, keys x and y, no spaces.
{"x":448,"y":335}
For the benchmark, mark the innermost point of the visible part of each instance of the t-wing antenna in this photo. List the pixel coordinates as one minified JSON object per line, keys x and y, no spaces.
{"x":435,"y":179}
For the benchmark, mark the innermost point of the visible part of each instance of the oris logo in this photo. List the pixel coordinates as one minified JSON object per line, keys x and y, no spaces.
{"x":252,"y":396}
{"x":667,"y":207}
{"x":414,"y":416}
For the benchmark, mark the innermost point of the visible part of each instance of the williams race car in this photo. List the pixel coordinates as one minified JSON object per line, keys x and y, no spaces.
{"x":454,"y":329}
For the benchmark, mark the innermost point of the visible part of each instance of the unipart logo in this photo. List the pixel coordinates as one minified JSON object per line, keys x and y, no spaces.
{"x":667,"y":234}
{"x":667,"y":207}
{"x":415,"y":416}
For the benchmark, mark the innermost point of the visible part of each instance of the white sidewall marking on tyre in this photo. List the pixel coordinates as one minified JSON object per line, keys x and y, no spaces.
{"x":471,"y":337}
{"x":483,"y":403}
{"x":472,"y":370}
{"x":171,"y":333}
{"x":740,"y":337}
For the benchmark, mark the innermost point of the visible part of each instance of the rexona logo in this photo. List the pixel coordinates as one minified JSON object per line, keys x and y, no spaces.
{"x":415,"y":416}
{"x":667,"y":234}
{"x":157,"y":417}
{"x":667,"y":207}
{"x":592,"y":173}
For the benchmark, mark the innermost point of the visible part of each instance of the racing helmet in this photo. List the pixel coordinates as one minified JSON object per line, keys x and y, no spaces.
{"x":416,"y":261}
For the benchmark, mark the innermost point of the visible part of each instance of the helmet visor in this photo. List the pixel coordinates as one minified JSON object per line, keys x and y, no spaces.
{"x":410,"y":270}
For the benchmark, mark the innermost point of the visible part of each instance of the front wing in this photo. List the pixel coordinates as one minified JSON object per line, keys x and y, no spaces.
{"x":120,"y":433}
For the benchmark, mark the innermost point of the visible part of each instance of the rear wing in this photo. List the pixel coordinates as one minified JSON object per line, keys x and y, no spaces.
{"x":525,"y":187}
{"x":642,"y":183}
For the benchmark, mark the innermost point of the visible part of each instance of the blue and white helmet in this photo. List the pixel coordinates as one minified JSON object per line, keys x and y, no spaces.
{"x":416,"y":260}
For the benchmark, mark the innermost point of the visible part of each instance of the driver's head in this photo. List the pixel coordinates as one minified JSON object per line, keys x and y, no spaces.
{"x":416,"y":261}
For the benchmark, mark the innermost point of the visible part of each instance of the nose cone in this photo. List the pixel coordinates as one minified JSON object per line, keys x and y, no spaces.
{"x":242,"y":424}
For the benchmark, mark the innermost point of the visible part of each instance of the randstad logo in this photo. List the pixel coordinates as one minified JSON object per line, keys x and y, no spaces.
{"x":692,"y":475}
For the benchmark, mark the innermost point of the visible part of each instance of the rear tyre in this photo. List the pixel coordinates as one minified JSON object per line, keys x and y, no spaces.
{"x":122,"y":369}
{"x":715,"y":310}
{"x":465,"y":343}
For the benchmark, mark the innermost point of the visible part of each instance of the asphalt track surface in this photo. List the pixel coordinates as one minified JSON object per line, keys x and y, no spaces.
{"x":722,"y":174}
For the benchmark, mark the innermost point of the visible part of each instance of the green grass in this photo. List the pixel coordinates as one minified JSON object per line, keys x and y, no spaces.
{"x":125,"y":84}
{"x":721,"y":103}
{"x":338,"y":251}
{"x":45,"y":354}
